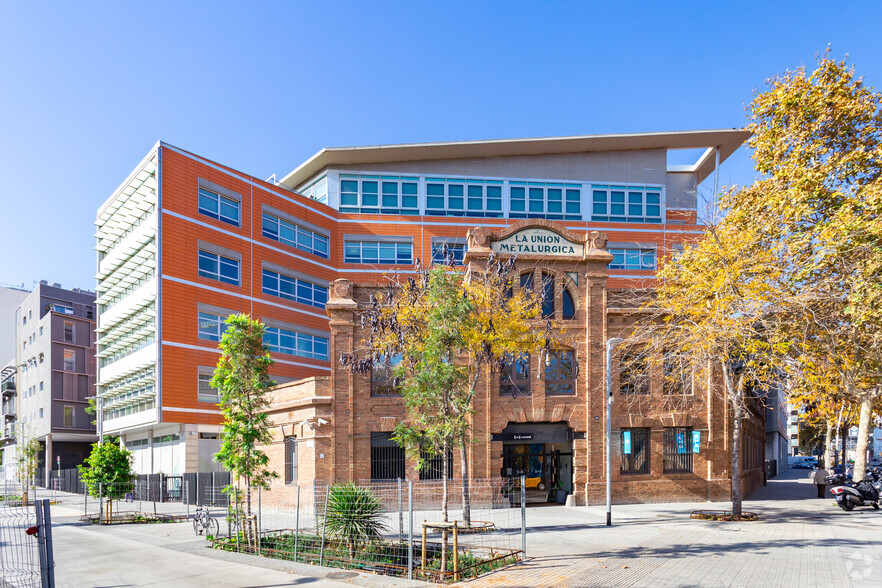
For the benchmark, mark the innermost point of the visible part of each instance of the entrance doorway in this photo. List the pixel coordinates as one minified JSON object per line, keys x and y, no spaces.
{"x":543,"y":454}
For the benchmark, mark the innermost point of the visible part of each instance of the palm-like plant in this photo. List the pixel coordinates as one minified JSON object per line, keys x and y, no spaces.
{"x":353,"y":513}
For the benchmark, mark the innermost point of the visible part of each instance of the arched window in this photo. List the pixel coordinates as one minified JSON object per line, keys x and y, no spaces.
{"x":290,"y":460}
{"x":547,"y":296}
{"x":569,"y":307}
{"x":527,"y":281}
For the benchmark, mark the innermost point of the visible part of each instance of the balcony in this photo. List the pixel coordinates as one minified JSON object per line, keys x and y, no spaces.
{"x":7,"y":388}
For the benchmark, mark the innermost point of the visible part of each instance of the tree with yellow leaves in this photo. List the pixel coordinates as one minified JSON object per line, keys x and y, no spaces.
{"x":445,"y":328}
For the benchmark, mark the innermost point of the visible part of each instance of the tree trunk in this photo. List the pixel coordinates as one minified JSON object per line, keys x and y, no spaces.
{"x":466,"y":490}
{"x":863,"y":440}
{"x":444,"y":500}
{"x":828,"y":442}
{"x":734,"y":394}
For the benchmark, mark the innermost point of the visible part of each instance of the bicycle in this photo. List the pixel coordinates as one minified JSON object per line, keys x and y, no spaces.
{"x":203,"y":521}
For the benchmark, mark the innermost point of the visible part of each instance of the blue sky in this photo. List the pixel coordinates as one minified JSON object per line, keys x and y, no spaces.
{"x":87,"y":88}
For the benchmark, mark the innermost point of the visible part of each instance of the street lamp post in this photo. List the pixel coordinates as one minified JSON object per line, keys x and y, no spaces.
{"x":610,"y":343}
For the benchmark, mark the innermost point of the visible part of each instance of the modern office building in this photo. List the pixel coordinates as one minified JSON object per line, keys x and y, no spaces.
{"x":55,"y":355}
{"x":10,"y":298}
{"x":185,"y":241}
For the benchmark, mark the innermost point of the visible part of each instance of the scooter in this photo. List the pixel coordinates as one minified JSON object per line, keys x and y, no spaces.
{"x":863,"y":493}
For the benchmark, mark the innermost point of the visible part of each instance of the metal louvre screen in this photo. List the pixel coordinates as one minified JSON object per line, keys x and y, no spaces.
{"x":635,"y":451}
{"x":433,"y":466}
{"x":387,"y":458}
{"x":678,"y":450}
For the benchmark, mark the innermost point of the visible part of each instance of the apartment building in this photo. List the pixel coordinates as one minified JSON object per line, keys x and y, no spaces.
{"x":55,"y":355}
{"x":185,"y":241}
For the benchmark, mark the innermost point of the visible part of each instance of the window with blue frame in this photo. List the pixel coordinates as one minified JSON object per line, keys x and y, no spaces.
{"x":218,"y":207}
{"x":379,"y":194}
{"x":294,"y":235}
{"x":294,"y":343}
{"x":626,"y":204}
{"x":378,"y":252}
{"x":551,"y":200}
{"x":441,"y":252}
{"x":283,"y":286}
{"x":211,"y":326}
{"x":464,"y":197}
{"x":217,"y":267}
{"x":632,"y":259}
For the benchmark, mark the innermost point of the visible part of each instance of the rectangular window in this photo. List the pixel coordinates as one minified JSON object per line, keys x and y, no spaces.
{"x":218,"y":267}
{"x":294,"y":235}
{"x":626,"y":204}
{"x":211,"y":326}
{"x":379,"y":194}
{"x":387,"y":458}
{"x":205,"y":392}
{"x":318,"y":190}
{"x":462,"y":197}
{"x":382,"y":376}
{"x":634,"y":373}
{"x":632,"y":259}
{"x":218,"y":207}
{"x":41,"y":413}
{"x":68,"y":416}
{"x":70,"y":357}
{"x":68,"y":332}
{"x":60,"y":308}
{"x":551,"y":200}
{"x":433,"y":465}
{"x":635,"y":451}
{"x":293,"y":343}
{"x":678,"y":450}
{"x":290,"y":460}
{"x":378,"y":252}
{"x":560,"y":373}
{"x":283,"y":286}
{"x":677,"y":373}
{"x":514,"y":375}
{"x":442,"y":252}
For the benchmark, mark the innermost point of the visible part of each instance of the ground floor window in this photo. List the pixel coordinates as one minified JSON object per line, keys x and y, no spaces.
{"x":433,"y":466}
{"x":387,"y":458}
{"x":678,"y":450}
{"x":290,"y":460}
{"x":635,"y":451}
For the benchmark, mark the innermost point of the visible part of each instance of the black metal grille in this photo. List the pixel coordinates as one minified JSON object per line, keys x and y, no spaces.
{"x":678,"y":450}
{"x":636,"y":441}
{"x":433,"y":466}
{"x":387,"y":458}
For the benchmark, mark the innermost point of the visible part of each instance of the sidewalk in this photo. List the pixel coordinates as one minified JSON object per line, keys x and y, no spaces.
{"x":800,"y":540}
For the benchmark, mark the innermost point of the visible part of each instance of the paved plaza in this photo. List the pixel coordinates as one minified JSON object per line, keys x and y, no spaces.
{"x":798,"y":541}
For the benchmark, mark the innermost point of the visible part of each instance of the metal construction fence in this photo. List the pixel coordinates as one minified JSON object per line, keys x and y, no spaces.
{"x":68,"y":480}
{"x":26,"y":545}
{"x":396,"y":528}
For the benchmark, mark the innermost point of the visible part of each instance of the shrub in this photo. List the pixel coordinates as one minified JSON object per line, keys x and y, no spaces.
{"x":353,"y":514}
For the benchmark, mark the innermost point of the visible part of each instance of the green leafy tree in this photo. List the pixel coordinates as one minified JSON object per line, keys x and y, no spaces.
{"x":107,"y":472}
{"x":242,"y":379}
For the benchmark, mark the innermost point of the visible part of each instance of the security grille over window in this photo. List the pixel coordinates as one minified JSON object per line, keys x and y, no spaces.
{"x":387,"y":458}
{"x":290,"y":460}
{"x":635,"y":451}
{"x":626,"y":204}
{"x":678,"y":450}
{"x":514,"y":375}
{"x":379,"y":194}
{"x":433,"y":465}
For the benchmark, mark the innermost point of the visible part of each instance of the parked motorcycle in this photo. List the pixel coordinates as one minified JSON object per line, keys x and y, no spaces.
{"x":849,"y":495}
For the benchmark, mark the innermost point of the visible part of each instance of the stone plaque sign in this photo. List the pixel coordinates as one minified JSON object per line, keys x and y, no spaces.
{"x":538,"y":242}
